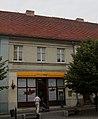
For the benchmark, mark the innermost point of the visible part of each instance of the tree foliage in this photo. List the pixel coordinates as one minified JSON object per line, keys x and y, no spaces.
{"x":82,"y":75}
{"x":3,"y":72}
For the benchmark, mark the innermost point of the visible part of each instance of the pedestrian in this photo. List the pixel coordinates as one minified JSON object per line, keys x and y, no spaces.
{"x":37,"y":104}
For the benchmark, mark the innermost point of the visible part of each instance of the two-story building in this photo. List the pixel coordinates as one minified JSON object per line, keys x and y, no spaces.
{"x":38,"y":50}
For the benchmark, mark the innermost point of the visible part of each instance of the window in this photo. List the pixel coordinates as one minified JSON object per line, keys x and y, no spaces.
{"x":60,"y":82}
{"x":60,"y":55}
{"x":52,"y":89}
{"x":18,"y":53}
{"x":26,"y":89}
{"x":41,"y":54}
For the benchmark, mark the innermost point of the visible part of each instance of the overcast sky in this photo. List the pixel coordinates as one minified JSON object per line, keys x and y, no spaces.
{"x":69,"y":9}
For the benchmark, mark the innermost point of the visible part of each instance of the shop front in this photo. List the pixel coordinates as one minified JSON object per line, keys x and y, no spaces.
{"x":49,"y":86}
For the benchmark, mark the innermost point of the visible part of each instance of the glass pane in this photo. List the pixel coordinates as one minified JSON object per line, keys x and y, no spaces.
{"x":38,"y":57}
{"x":21,"y":82}
{"x":21,"y":95}
{"x":60,"y":82}
{"x":43,"y":50}
{"x":32,"y":95}
{"x":52,"y":94}
{"x":15,"y":55}
{"x":20,"y":48}
{"x":15,"y":48}
{"x":20,"y":55}
{"x":43,"y":57}
{"x":31,"y":82}
{"x":62,"y":57}
{"x":60,"y":95}
{"x":62,"y":51}
{"x":51,"y":82}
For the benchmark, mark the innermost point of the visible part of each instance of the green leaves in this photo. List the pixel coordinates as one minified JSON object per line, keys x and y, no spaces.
{"x":3,"y":69}
{"x":3,"y":72}
{"x":82,"y":76}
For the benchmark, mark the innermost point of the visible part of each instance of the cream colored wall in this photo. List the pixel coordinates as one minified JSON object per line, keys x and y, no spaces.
{"x":70,"y":101}
{"x":68,"y":54}
{"x":12,"y":95}
{"x":30,"y":51}
{"x":30,"y":64}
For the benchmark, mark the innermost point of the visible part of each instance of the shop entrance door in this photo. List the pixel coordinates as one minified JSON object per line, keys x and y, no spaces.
{"x":42,"y":91}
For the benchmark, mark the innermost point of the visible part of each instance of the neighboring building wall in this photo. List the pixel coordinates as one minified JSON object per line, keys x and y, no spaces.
{"x":4,"y":51}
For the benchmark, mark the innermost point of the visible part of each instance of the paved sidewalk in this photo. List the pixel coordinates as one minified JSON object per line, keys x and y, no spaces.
{"x":58,"y":113}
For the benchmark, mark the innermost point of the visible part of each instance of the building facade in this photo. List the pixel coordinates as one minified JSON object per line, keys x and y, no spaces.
{"x":39,"y":50}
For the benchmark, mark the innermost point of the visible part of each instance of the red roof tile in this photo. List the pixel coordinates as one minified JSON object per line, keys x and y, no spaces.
{"x":20,"y":24}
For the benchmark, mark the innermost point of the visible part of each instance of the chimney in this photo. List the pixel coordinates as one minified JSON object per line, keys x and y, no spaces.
{"x":80,"y":19}
{"x":29,"y":12}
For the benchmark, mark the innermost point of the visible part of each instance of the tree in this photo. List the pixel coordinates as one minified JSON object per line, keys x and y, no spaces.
{"x":3,"y":72}
{"x":82,"y":75}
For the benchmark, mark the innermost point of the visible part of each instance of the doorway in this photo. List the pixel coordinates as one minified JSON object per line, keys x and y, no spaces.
{"x":42,"y":91}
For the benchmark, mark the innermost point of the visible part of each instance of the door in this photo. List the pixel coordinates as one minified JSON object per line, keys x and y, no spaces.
{"x":42,"y":91}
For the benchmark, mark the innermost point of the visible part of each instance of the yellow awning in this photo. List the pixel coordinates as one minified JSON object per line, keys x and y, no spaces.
{"x":41,"y":74}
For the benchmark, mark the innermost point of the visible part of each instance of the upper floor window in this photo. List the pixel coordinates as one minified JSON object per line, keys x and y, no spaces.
{"x":60,"y":55}
{"x":18,"y":52}
{"x":41,"y":54}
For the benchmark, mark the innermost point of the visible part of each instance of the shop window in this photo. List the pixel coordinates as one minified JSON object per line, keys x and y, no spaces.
{"x":31,"y":82}
{"x":60,"y":82}
{"x":52,"y":94}
{"x":26,"y":89}
{"x":60,"y":95}
{"x":51,"y":82}
{"x":52,"y":89}
{"x":21,"y":96}
{"x":22,"y":82}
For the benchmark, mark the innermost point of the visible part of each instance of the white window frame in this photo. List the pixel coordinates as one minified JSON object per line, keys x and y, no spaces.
{"x":41,"y":52}
{"x":18,"y":51}
{"x":61,"y":55}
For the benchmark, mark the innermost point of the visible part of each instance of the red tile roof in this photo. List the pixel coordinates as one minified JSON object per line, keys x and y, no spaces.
{"x":20,"y":24}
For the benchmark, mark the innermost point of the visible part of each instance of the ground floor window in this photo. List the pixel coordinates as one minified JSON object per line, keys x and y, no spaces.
{"x":26,"y":89}
{"x":50,"y":90}
{"x":56,"y":90}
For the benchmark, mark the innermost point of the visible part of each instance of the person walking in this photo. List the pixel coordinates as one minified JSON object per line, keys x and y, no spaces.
{"x":37,"y":104}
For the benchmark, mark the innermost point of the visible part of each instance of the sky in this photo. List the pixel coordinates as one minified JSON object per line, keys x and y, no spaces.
{"x":68,"y":9}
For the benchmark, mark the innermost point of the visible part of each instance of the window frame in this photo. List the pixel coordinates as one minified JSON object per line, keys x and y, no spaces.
{"x":18,"y":53}
{"x":25,"y":88}
{"x":61,"y":55}
{"x":41,"y":52}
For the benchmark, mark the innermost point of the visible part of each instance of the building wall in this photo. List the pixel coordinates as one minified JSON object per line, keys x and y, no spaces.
{"x":30,"y":63}
{"x":12,"y":94}
{"x":30,"y":55}
{"x":4,"y":46}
